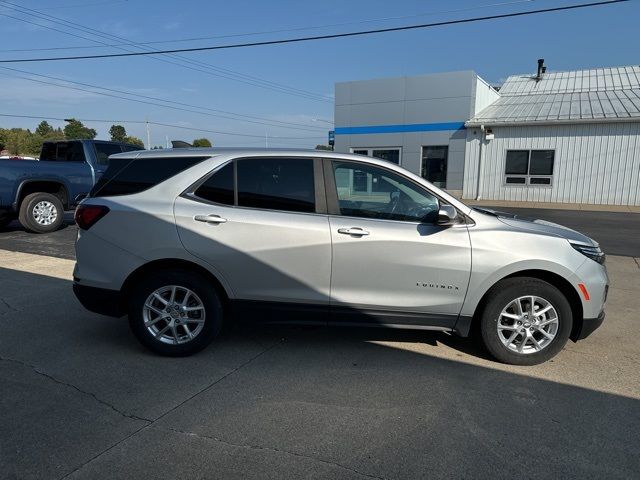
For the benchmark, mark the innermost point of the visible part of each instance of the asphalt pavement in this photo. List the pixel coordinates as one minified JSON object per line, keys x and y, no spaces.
{"x":616,"y":232}
{"x":81,"y":399}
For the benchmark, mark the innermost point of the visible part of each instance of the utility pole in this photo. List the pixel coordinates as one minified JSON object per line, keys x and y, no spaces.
{"x":148,"y":135}
{"x":167,"y":141}
{"x":266,"y":140}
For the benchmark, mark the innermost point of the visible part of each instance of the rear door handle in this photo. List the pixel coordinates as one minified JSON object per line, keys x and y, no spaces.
{"x":210,"y":219}
{"x":353,"y":231}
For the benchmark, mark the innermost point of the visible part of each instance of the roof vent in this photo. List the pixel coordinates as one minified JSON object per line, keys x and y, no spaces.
{"x":541,"y":69}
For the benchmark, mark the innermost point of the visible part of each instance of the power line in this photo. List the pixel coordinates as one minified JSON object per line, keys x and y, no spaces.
{"x":267,"y":32}
{"x":217,"y":132}
{"x":217,"y":112}
{"x":320,"y":37}
{"x":214,"y":70}
{"x":153,"y":103}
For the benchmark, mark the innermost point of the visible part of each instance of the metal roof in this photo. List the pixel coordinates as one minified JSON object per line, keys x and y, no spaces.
{"x":603,"y":94}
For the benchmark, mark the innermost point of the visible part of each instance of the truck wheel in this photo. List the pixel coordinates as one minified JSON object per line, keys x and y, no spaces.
{"x":41,"y":212}
{"x":526,"y":321}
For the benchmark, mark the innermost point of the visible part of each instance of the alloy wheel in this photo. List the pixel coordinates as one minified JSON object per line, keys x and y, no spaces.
{"x":528,"y":324}
{"x":173,"y":314}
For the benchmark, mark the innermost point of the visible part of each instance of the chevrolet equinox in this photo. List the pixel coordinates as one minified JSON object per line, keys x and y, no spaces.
{"x":182,"y":240}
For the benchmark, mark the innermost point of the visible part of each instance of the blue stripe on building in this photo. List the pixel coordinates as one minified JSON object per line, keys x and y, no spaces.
{"x":415,"y":127}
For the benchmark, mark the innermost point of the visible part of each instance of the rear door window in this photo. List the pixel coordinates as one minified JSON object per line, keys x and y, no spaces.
{"x":218,"y":187}
{"x":276,"y":184}
{"x":126,"y":176}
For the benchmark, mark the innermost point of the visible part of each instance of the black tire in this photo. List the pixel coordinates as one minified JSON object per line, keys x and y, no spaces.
{"x":198,"y":284}
{"x":500,"y":296}
{"x":27,"y":218}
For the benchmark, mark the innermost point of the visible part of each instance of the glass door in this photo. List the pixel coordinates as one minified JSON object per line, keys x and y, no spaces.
{"x":434,"y":164}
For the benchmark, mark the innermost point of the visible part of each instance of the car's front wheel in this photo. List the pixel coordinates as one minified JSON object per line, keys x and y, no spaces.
{"x":526,"y":321}
{"x":175,"y":313}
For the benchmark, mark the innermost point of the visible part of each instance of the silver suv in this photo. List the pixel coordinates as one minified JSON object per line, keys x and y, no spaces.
{"x":182,"y":240}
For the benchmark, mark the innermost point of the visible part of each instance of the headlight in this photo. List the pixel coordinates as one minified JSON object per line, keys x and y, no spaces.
{"x":594,"y":253}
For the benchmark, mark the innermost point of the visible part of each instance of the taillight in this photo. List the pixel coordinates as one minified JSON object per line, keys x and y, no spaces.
{"x":87,"y":215}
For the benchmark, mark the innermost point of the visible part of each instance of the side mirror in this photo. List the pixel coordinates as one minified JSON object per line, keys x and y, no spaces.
{"x":447,"y":215}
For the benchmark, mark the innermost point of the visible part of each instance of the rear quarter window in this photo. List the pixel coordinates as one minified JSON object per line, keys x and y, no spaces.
{"x":104,"y":150}
{"x":128,"y":176}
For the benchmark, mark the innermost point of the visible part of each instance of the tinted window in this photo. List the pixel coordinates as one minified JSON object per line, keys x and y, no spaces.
{"x":126,"y":176}
{"x":517,"y":162}
{"x":218,"y":187}
{"x":541,"y":162}
{"x":373,"y":192}
{"x":62,"y":152}
{"x":276,"y":184}
{"x":540,"y":181}
{"x":103,"y":150}
{"x":516,"y":180}
{"x":392,"y":155}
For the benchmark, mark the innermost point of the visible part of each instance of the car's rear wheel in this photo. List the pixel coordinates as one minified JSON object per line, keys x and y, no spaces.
{"x":175,"y":313}
{"x":526,"y":321}
{"x":41,"y":212}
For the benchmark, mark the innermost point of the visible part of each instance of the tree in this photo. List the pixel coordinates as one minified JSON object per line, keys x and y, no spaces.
{"x":75,"y":130}
{"x":118,"y":133}
{"x":323,"y":147}
{"x":133,"y":141}
{"x":19,"y":141}
{"x":201,"y":142}
{"x":44,"y":129}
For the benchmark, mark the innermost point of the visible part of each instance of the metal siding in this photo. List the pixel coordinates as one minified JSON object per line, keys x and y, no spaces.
{"x":594,"y":163}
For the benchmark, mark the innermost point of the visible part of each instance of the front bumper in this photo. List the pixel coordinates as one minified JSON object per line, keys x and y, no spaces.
{"x":588,"y":326}
{"x":99,"y":300}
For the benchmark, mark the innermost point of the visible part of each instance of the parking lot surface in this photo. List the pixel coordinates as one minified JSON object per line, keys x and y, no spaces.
{"x":617,"y":232}
{"x":81,"y":399}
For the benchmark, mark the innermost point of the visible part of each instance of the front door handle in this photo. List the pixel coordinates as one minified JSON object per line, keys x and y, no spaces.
{"x":210,"y":219}
{"x":357,"y":231}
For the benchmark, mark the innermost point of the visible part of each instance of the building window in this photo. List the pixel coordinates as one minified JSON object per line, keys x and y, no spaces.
{"x":434,"y":165}
{"x":529,"y":167}
{"x":389,"y":154}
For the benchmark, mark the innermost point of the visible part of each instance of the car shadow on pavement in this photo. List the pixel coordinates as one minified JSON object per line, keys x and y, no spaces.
{"x":80,"y":396}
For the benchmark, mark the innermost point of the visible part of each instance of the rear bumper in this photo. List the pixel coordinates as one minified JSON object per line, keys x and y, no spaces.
{"x":589,"y":325}
{"x":99,"y":300}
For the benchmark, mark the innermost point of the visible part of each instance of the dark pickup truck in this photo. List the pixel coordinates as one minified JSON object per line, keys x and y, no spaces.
{"x":38,"y":192}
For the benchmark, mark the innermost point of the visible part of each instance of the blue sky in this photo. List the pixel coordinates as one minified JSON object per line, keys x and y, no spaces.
{"x":603,"y":36}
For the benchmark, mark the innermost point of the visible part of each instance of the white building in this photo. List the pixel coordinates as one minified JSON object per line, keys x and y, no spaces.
{"x":569,"y":137}
{"x":565,"y":137}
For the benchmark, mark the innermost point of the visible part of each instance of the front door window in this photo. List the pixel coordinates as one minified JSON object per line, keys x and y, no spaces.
{"x":371,"y":192}
{"x":434,"y":165}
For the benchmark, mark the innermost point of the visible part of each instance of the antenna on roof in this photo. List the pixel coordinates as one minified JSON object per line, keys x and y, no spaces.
{"x":541,"y":69}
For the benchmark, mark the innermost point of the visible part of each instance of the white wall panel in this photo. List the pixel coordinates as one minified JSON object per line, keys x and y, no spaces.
{"x":594,"y":163}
